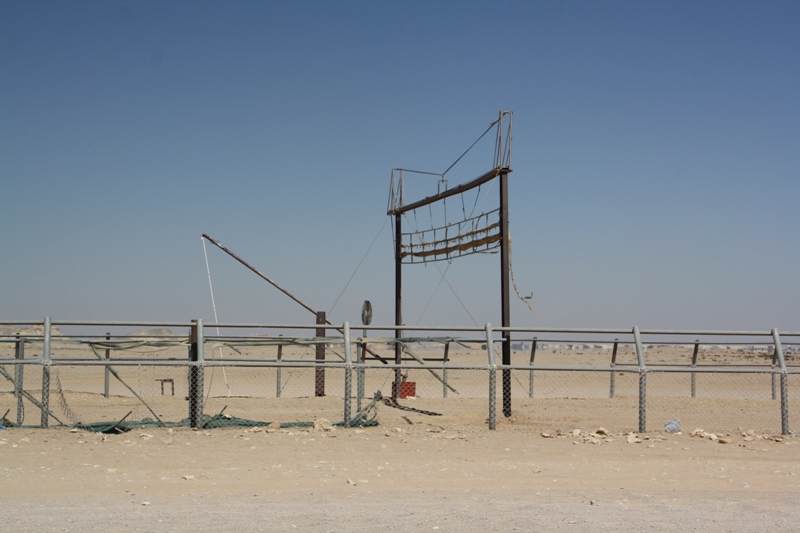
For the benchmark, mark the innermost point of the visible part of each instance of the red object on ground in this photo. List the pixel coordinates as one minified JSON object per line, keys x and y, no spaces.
{"x":407,"y":388}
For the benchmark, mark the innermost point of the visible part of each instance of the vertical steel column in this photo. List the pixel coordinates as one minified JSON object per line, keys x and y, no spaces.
{"x":319,"y":370}
{"x":530,"y":377}
{"x":196,"y":374}
{"x":19,"y":355}
{"x":784,"y":384}
{"x":444,"y":370}
{"x":398,"y":302}
{"x":278,"y":372}
{"x":492,"y":378}
{"x":612,"y":388}
{"x":642,"y":381}
{"x":348,"y":373}
{"x":505,"y":284}
{"x":694,"y":364}
{"x":46,"y":374}
{"x":107,"y":372}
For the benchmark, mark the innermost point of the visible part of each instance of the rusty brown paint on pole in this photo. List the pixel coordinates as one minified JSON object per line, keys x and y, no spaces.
{"x":398,"y":300}
{"x":505,"y":285}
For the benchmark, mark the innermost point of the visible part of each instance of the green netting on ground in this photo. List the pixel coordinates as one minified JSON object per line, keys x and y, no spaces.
{"x":367,"y":417}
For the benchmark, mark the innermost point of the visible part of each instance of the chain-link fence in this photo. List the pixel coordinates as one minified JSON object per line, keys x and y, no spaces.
{"x":117,"y":382}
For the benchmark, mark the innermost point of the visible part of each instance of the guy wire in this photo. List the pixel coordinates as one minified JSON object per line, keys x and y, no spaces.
{"x":214,"y":307}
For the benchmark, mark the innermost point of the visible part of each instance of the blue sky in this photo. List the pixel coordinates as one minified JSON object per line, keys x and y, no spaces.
{"x":656,"y":157}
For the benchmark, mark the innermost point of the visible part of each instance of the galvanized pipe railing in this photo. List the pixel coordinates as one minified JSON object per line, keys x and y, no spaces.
{"x":197,"y":362}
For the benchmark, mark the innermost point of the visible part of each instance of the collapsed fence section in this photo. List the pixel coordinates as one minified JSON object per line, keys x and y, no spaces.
{"x":264,"y":374}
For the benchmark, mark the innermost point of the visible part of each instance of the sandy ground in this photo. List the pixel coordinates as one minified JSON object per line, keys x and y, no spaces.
{"x":414,"y":477}
{"x":414,"y":472}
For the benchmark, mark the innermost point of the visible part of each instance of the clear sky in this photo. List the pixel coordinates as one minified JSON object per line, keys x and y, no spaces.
{"x":656,"y":158}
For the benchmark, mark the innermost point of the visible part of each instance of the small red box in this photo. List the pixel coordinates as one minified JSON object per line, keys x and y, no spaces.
{"x":407,"y":388}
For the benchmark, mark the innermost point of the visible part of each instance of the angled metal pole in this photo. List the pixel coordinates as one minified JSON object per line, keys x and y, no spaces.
{"x":284,"y":291}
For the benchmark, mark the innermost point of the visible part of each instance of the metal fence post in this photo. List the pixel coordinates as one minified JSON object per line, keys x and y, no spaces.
{"x":46,"y":374}
{"x":784,"y":383}
{"x":196,"y":375}
{"x":319,"y":369}
{"x":19,"y":355}
{"x":530,"y":372}
{"x":774,"y":362}
{"x":348,"y":373}
{"x":444,"y":370}
{"x":612,"y":386}
{"x":361,"y":354}
{"x":492,"y":378}
{"x":278,"y":372}
{"x":107,"y":373}
{"x":642,"y":380}
{"x":694,"y":364}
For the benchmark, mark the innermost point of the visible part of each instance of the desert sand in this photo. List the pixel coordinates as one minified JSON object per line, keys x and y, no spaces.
{"x":420,"y":476}
{"x":548,"y":467}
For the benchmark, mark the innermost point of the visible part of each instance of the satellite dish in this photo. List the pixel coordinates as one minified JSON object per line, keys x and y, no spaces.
{"x":366,"y":313}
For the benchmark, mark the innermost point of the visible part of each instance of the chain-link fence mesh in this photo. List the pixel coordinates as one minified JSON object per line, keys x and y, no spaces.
{"x":723,"y":401}
{"x":258,"y":382}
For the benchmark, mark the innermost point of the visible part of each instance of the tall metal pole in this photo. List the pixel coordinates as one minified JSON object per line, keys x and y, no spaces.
{"x":398,"y":300}
{"x":505,"y":285}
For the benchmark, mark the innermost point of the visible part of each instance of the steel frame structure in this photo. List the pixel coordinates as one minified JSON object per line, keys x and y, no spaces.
{"x":501,"y":170}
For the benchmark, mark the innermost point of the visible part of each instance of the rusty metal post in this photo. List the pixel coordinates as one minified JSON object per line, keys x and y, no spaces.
{"x":319,"y":370}
{"x":505,"y":285}
{"x":444,"y":369}
{"x":398,"y":302}
{"x":19,"y":355}
{"x":196,"y":374}
{"x":361,"y":355}
{"x":612,"y":387}
{"x":530,"y":376}
{"x":694,"y":364}
{"x":278,"y":372}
